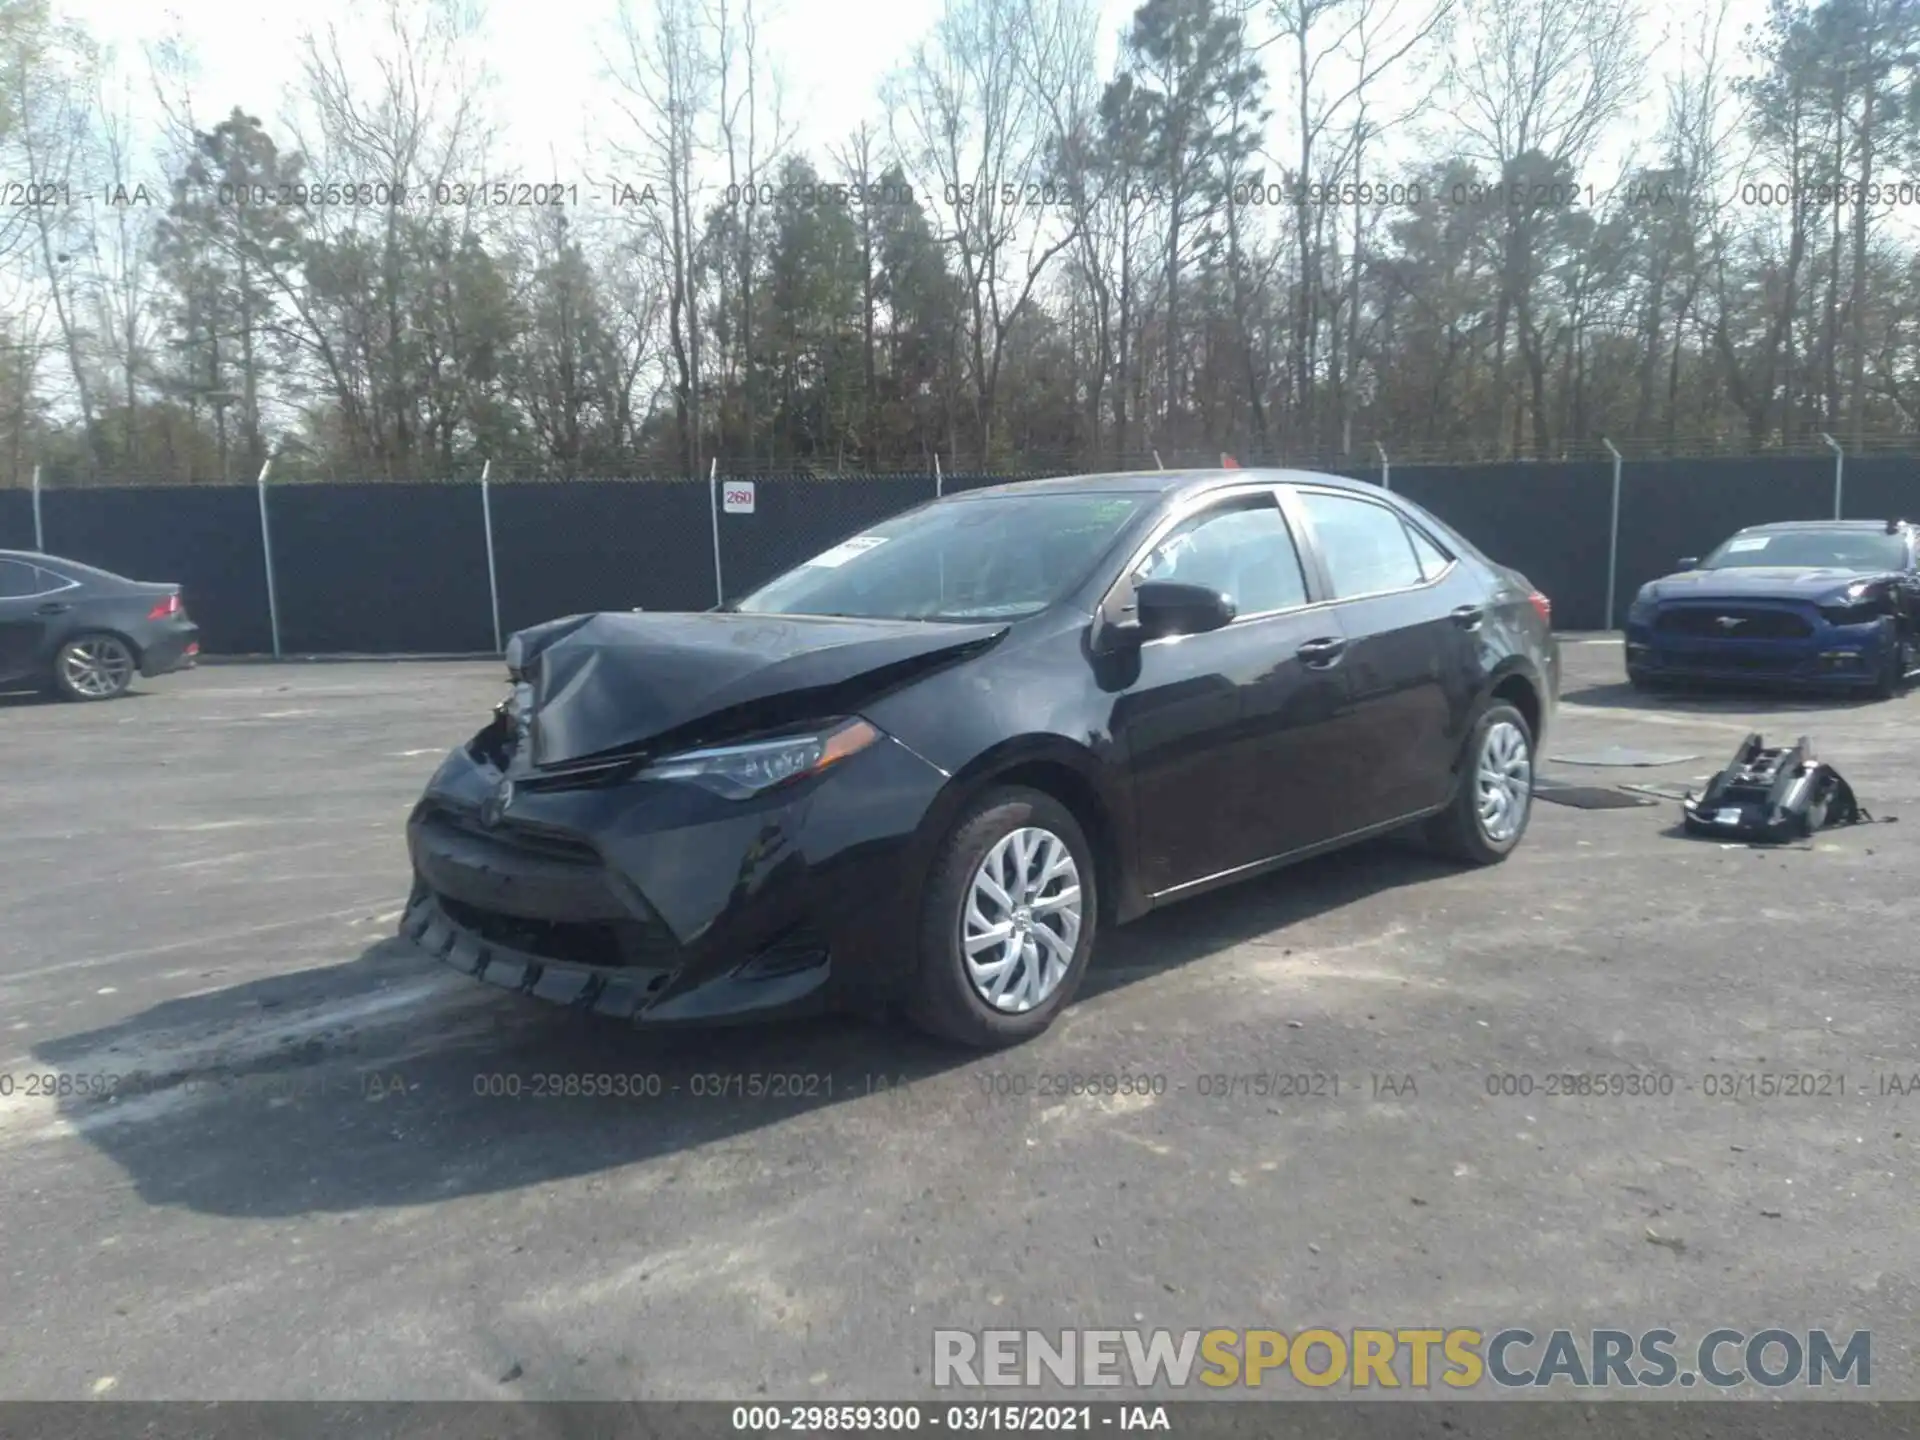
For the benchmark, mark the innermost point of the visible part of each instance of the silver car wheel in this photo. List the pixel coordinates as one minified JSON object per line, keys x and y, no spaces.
{"x":97,"y":667}
{"x":1021,"y":923}
{"x":1505,"y":781}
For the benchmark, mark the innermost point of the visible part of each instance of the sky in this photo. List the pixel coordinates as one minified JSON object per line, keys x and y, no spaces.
{"x":547,"y":62}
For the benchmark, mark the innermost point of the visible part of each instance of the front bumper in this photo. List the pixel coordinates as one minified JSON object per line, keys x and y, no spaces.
{"x":657,"y":902}
{"x":1828,"y":655}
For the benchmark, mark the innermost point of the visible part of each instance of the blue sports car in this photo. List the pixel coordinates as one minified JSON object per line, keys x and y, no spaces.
{"x":1823,"y":602}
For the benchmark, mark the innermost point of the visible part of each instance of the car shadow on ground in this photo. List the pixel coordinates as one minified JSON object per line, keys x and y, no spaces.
{"x":26,"y":698}
{"x":263,"y":1116}
{"x":1715,"y":699}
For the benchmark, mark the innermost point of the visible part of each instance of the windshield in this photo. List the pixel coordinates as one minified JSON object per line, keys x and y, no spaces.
{"x":1811,"y":549}
{"x":996,"y":558}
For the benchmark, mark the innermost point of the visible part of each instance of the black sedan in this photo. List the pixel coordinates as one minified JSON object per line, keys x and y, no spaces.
{"x":1832,"y":603}
{"x":916,"y":773}
{"x":85,"y":633}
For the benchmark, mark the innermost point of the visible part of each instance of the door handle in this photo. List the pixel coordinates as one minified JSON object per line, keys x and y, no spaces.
{"x":1322,"y":654}
{"x":53,"y":607}
{"x":1468,"y":617}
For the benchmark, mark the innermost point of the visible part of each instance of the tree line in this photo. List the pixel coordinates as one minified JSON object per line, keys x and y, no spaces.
{"x":1481,"y":234}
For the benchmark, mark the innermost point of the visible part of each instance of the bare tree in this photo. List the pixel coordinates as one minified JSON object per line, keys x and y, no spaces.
{"x":123,"y":290}
{"x":858,"y":164}
{"x":665,"y":77}
{"x":1538,"y":84}
{"x":968,"y":109}
{"x":407,"y":124}
{"x":753,"y":139}
{"x":50,"y":69}
{"x":1340,"y":52}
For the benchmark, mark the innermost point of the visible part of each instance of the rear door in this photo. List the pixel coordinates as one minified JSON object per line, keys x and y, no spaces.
{"x":1413,"y":616}
{"x":1230,"y":733}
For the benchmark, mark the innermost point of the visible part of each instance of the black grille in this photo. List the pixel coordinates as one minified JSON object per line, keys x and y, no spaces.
{"x":1754,"y":623}
{"x":611,"y":945}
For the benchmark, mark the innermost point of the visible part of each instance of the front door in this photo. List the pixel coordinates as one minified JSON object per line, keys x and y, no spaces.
{"x":1230,"y":733}
{"x":21,"y":629}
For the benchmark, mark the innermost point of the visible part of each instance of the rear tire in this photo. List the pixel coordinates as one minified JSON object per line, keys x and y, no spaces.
{"x":1008,"y":926}
{"x":1494,"y":801}
{"x":95,"y":666}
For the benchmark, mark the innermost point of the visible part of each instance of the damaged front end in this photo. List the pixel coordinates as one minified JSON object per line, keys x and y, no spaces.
{"x":652,"y":823}
{"x":1770,"y":795}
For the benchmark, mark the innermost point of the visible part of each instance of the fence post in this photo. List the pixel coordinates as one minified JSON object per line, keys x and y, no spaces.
{"x":493,"y":573}
{"x":713,"y":511}
{"x":1839,"y":470}
{"x":1156,"y":461}
{"x":266,"y":552}
{"x":39,"y":528}
{"x":939,"y":483}
{"x":1386,"y":470}
{"x":1613,"y":532}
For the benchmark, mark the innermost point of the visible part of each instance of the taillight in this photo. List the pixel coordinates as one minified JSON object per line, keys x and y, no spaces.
{"x":1542,"y":606}
{"x":164,"y":608}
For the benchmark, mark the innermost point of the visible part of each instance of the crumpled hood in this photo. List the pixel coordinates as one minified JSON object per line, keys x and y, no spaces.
{"x":617,"y":681}
{"x":1757,"y":582}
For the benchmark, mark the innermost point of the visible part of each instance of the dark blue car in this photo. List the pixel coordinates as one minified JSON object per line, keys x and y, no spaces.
{"x":1814,"y":602}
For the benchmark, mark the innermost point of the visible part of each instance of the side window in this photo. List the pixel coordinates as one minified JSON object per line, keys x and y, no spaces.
{"x":1364,"y":546}
{"x":1431,"y":557}
{"x":1244,"y":551}
{"x":19,"y":580}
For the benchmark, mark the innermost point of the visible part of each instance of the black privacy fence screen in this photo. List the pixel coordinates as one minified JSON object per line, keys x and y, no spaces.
{"x":443,"y":568}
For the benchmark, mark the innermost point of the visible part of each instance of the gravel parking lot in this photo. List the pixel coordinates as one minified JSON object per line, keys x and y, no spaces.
{"x":344,"y":1176}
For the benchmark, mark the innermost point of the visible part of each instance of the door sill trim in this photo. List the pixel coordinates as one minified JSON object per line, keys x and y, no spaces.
{"x":1288,"y":857}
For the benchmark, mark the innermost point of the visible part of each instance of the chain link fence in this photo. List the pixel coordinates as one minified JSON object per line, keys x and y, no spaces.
{"x":430,"y":567}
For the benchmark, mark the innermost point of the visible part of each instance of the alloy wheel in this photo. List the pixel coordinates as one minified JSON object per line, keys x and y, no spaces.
{"x":97,"y":667}
{"x":1505,"y":781}
{"x":1021,"y":922}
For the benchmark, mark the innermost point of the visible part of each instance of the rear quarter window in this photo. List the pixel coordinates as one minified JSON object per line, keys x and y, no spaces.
{"x":18,"y":580}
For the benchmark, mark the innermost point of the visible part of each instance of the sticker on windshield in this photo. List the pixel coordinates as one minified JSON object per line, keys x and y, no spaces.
{"x":846,"y":550}
{"x":1750,"y":542}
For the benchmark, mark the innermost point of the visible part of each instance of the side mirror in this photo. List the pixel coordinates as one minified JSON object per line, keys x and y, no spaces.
{"x":1168,"y":607}
{"x":1689,"y":562}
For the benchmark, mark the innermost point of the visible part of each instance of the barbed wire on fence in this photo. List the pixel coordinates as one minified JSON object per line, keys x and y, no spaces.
{"x":962,"y":469}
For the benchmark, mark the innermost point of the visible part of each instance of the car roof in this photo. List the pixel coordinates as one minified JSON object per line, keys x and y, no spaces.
{"x":1160,"y":482}
{"x":1876,"y":526}
{"x":61,"y":565}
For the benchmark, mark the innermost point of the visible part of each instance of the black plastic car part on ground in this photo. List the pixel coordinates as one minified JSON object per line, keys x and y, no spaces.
{"x":1769,"y":794}
{"x":918,"y":773}
{"x":85,"y":633}
{"x":1825,"y":602}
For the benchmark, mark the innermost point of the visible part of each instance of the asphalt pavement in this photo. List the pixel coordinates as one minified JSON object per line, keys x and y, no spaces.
{"x":348,"y":1173}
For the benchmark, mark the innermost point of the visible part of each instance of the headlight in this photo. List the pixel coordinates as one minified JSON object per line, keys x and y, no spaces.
{"x":1856,"y":605}
{"x":739,"y":771}
{"x":1642,"y":606}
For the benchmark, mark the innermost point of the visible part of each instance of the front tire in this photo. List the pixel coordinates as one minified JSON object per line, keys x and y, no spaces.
{"x":1494,"y":801}
{"x":1008,"y":927}
{"x":91,"y":667}
{"x":1893,"y":670}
